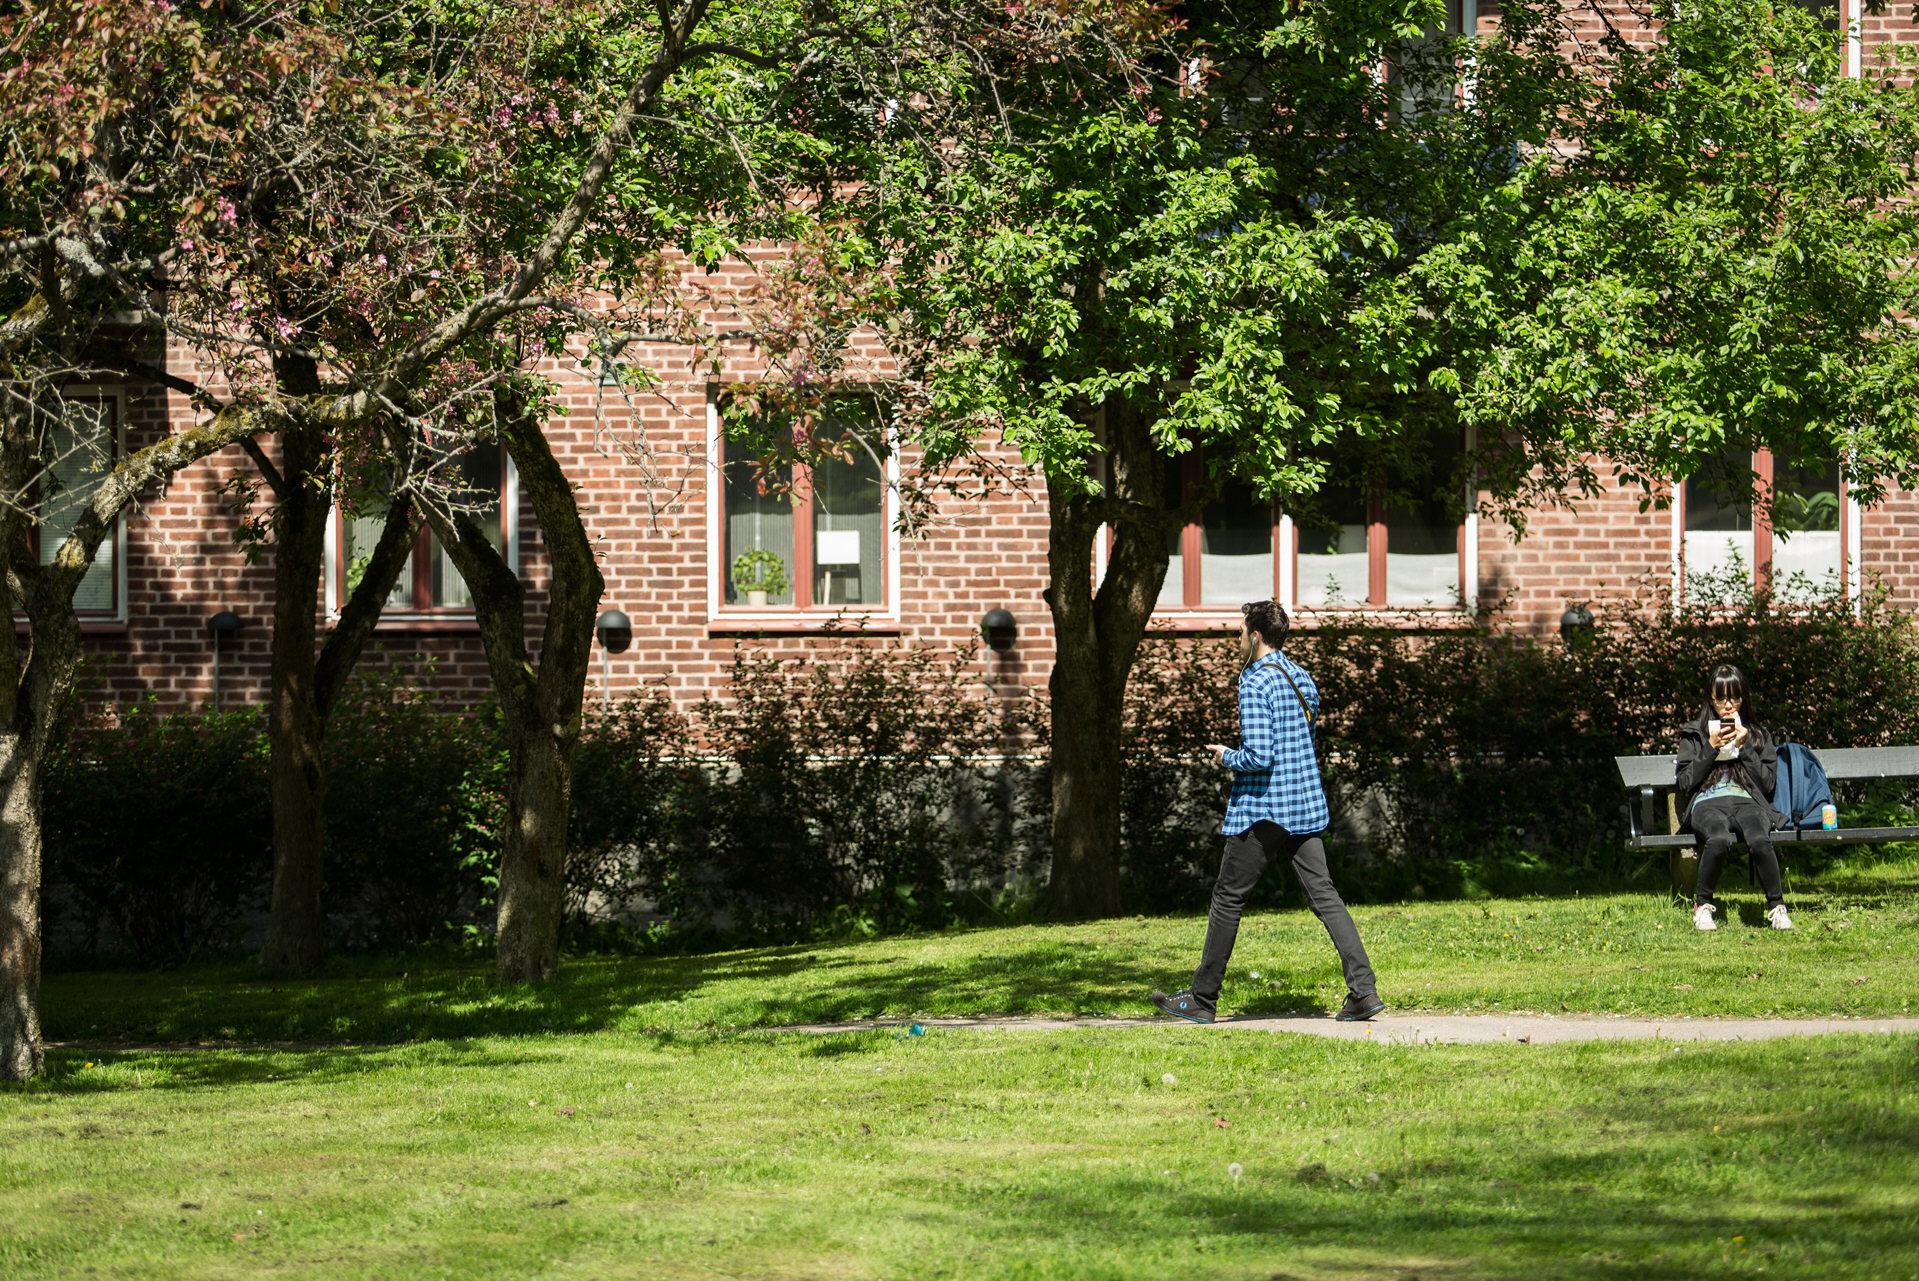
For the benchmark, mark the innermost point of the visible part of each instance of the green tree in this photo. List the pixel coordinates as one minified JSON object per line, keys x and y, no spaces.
{"x":1309,"y":237}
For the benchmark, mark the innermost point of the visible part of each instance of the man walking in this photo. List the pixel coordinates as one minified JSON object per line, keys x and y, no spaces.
{"x":1277,"y":808}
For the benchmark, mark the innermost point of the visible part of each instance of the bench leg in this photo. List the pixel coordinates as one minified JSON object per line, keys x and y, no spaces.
{"x":1684,"y":863}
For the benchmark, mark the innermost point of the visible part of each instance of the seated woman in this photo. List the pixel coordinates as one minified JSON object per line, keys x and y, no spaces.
{"x":1726,"y":769}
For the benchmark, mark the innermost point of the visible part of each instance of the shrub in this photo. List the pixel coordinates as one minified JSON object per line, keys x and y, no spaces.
{"x":158,"y":831}
{"x":855,"y":793}
{"x":415,"y":800}
{"x":635,"y":782}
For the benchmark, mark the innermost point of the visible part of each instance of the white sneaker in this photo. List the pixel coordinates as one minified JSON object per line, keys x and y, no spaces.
{"x":1702,"y":917}
{"x":1778,"y":918}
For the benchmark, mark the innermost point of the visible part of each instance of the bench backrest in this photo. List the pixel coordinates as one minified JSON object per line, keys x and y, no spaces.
{"x":1840,"y":762}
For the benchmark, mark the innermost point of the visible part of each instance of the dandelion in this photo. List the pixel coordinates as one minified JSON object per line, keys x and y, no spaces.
{"x":1168,"y":1078}
{"x":1235,"y":1170}
{"x":1255,"y":974}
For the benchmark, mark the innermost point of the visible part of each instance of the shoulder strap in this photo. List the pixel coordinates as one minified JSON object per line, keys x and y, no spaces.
{"x":1303,"y":705}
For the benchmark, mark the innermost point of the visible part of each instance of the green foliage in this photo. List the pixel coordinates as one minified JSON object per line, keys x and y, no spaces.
{"x":869,"y":788}
{"x":416,"y":806}
{"x":158,"y":831}
{"x":759,"y":570}
{"x":852,"y":791}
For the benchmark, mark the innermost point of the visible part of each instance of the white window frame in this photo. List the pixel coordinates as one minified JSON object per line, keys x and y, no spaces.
{"x":1849,"y":547}
{"x":719,"y":614}
{"x":117,"y":393}
{"x":510,"y":510}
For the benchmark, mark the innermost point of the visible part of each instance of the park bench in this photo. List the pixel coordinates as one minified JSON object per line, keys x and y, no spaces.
{"x":1648,"y":779}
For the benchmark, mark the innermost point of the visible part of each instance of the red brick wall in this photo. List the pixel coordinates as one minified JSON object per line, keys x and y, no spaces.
{"x":643,"y":475}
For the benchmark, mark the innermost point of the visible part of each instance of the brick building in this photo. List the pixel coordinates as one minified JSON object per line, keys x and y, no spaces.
{"x":669,"y":515}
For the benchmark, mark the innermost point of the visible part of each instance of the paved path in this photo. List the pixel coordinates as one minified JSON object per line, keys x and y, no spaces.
{"x":1436,"y":1029}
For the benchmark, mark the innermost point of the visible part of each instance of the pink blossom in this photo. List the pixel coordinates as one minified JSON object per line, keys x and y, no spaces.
{"x":284,"y":327}
{"x":186,"y":246}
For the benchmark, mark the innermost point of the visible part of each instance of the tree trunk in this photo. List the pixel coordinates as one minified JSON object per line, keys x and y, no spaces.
{"x":21,"y":1053}
{"x":305,"y":682}
{"x":55,"y":654}
{"x":541,"y":706}
{"x":1097,"y":637}
{"x":296,"y":917}
{"x":533,"y":862}
{"x":1086,"y":774}
{"x":533,"y":869}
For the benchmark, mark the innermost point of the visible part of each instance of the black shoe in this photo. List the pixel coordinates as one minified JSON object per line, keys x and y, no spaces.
{"x":1184,"y":1005}
{"x":1359,"y":1008}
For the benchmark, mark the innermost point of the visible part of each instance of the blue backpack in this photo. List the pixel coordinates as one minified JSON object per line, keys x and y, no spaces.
{"x":1800,"y":790}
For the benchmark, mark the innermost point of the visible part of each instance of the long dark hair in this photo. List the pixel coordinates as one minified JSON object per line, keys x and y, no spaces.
{"x":1728,"y":681}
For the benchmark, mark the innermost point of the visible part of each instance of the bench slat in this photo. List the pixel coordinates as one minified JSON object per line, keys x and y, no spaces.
{"x":1805,"y":836}
{"x":1839,"y":763}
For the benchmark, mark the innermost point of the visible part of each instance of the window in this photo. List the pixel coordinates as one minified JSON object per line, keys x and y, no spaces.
{"x":1226,"y":556}
{"x":83,"y":447}
{"x":821,"y":532}
{"x":430,"y":584}
{"x":1385,"y":544}
{"x":1795,"y":541}
{"x":1352,"y":545}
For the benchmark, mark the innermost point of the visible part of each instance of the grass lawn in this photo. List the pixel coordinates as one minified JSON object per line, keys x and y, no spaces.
{"x":1856,"y":951}
{"x":636,"y":1118}
{"x":970,"y":1154}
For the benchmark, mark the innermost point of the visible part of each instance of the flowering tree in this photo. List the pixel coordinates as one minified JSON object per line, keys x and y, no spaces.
{"x":320,"y":209}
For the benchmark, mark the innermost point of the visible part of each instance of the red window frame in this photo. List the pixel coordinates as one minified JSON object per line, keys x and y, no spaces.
{"x":1192,"y":476}
{"x":1192,"y":538}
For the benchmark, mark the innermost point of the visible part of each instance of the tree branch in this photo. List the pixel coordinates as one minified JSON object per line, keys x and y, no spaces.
{"x":133,"y":474}
{"x":341,"y":649}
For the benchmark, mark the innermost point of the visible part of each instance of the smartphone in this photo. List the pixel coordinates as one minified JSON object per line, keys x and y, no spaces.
{"x":1712,"y":726}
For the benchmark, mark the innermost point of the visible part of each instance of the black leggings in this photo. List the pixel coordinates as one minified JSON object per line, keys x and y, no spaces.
{"x":1726,"y":819}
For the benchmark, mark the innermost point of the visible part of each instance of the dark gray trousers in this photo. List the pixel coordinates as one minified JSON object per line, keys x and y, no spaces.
{"x":1239,"y":871}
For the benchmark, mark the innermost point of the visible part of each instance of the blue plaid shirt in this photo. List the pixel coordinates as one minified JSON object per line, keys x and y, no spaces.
{"x":1275,"y":776}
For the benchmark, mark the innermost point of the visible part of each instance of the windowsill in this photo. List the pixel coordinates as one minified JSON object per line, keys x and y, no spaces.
{"x":452,"y":624}
{"x":88,"y":626}
{"x":749,"y":622}
{"x":1202,"y":621}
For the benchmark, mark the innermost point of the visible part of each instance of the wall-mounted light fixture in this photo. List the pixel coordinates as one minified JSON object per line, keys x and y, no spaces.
{"x":223,"y":624}
{"x":1576,"y":624}
{"x":1000,"y":630}
{"x":615,"y":631}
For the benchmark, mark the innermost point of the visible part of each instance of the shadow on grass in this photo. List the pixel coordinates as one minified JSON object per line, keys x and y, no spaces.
{"x":361,"y":1002}
{"x":379,"y":1000}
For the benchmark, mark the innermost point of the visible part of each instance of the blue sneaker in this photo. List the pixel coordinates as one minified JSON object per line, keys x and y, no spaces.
{"x":1185,"y":1005}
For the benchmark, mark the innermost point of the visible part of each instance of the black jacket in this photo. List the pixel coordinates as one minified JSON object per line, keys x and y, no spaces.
{"x":1756,"y":768}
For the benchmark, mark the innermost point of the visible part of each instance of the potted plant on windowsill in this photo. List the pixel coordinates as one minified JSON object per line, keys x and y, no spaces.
{"x":758,"y":574}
